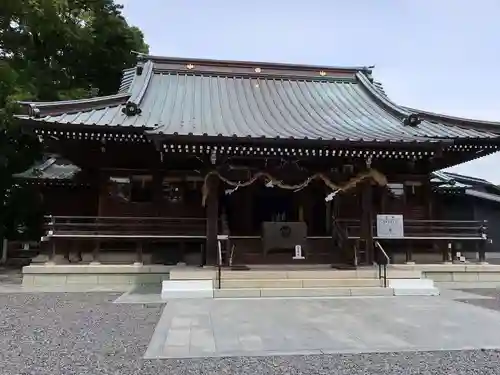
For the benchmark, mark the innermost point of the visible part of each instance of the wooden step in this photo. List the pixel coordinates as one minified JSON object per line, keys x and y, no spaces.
{"x":303,"y":292}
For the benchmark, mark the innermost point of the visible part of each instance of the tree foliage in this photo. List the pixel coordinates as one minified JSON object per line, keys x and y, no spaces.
{"x":54,"y":50}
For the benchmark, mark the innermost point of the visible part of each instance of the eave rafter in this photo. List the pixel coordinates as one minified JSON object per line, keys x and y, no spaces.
{"x":96,"y":135}
{"x":293,"y":150}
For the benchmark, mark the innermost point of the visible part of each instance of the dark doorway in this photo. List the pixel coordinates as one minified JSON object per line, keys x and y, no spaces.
{"x":273,"y":204}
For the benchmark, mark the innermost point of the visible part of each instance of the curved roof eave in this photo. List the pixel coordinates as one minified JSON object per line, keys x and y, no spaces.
{"x":404,"y":111}
{"x":43,"y":109}
{"x":453,"y":119}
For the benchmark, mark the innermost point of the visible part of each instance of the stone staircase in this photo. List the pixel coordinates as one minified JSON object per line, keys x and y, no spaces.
{"x":297,"y":283}
{"x":258,"y":283}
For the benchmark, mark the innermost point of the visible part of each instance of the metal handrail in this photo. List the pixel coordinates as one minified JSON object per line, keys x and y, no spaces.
{"x":219,"y":261}
{"x":220,"y":238}
{"x":382,"y":268}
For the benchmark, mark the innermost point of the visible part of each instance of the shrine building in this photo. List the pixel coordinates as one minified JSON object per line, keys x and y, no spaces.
{"x":239,"y":164}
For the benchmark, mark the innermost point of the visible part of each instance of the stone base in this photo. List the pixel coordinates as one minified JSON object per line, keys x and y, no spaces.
{"x":40,"y":259}
{"x":463,"y":272}
{"x":413,"y":287}
{"x":116,"y":257}
{"x":88,"y":275}
{"x":172,"y":289}
{"x":416,"y":292}
{"x":303,"y":292}
{"x":58,"y":259}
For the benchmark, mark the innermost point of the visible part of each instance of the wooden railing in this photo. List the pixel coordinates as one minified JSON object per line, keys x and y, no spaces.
{"x":428,"y":229}
{"x":124,"y":227}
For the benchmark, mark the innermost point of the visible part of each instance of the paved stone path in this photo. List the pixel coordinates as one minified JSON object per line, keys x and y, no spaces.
{"x":264,"y":327}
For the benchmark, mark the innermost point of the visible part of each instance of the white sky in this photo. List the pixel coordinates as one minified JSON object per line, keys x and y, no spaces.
{"x":440,"y":56}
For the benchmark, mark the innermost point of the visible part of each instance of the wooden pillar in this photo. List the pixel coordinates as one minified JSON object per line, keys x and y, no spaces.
{"x":383,"y":200}
{"x":482,"y":251}
{"x":158,"y":192}
{"x":409,"y":252}
{"x":139,"y":253}
{"x":3,"y":245}
{"x":212,"y":219}
{"x":367,"y":222}
{"x":248,"y":195}
{"x":95,"y":252}
{"x":328,"y":215}
{"x":53,"y":251}
{"x":428,"y":197}
{"x":100,"y":181}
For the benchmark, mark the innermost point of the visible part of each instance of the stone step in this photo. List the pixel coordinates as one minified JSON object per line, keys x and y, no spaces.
{"x":302,"y":292}
{"x":259,"y":274}
{"x":319,"y":274}
{"x":297,"y":283}
{"x":413,"y":287}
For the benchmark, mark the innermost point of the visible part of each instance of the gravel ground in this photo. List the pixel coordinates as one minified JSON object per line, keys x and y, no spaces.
{"x":82,"y":334}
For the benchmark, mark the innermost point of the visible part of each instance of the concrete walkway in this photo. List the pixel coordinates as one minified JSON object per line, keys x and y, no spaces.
{"x":214,"y":328}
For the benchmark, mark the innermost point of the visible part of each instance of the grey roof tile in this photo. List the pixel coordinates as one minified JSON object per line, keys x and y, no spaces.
{"x":126,"y":81}
{"x":52,"y":167}
{"x":174,"y":101}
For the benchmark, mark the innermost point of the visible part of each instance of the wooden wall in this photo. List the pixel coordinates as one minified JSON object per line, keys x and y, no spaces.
{"x":67,"y":200}
{"x":190,"y":204}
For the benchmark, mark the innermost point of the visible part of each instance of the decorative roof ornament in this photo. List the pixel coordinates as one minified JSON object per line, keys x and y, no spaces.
{"x":412,"y":120}
{"x":131,"y":109}
{"x":189,"y":66}
{"x":33,"y":111}
{"x":258,"y":70}
{"x":322,"y":73}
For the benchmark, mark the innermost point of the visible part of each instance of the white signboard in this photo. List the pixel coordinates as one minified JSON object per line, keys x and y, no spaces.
{"x":298,"y":253}
{"x":390,"y":226}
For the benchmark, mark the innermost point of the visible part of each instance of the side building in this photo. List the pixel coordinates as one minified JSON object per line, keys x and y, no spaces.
{"x":459,"y":197}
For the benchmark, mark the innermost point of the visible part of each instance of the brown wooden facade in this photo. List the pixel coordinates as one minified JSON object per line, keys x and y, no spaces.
{"x":151,"y":189}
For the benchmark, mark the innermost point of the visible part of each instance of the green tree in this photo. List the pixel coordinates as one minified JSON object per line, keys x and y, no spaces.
{"x":53,"y":50}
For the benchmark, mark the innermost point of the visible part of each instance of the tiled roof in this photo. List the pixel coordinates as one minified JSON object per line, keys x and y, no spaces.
{"x":126,"y":81}
{"x":444,"y":181}
{"x":52,"y":167}
{"x":234,"y":99}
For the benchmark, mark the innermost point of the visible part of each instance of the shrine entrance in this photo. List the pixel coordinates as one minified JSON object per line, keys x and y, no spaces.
{"x":271,"y":225}
{"x":272,"y":204}
{"x":269,"y":222}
